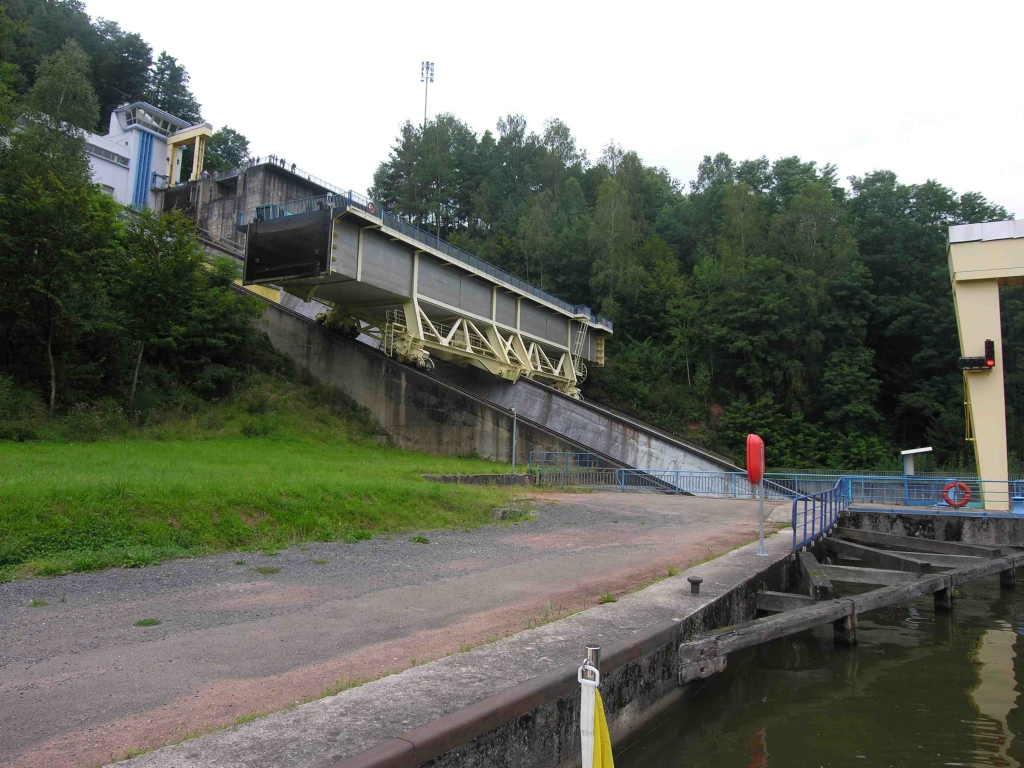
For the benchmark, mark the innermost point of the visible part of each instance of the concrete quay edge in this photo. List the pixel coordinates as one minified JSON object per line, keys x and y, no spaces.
{"x":434,"y":709}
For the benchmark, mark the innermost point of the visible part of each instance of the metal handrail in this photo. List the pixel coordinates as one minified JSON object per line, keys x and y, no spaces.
{"x":819,"y":512}
{"x":729,"y":485}
{"x":561,"y":461}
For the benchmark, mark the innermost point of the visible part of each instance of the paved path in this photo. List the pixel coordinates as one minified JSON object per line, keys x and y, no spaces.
{"x":80,"y":685}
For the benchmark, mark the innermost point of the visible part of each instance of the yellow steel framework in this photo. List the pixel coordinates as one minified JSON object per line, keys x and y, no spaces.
{"x":409,"y":335}
{"x":983,"y":257}
{"x":176,"y":143}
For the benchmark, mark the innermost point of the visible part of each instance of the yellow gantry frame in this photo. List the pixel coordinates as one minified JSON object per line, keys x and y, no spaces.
{"x":176,"y":144}
{"x":978,"y":268}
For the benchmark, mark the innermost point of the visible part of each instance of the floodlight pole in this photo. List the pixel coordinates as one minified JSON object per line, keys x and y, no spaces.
{"x":426,"y":77}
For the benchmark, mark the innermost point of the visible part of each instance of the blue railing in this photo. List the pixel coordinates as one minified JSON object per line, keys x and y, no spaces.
{"x":562,"y":461}
{"x":724,"y":485}
{"x":817,"y":513}
{"x":968,"y":493}
{"x":352,"y":199}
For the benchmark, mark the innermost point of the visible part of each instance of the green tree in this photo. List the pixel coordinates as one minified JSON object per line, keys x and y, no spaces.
{"x":62,"y":90}
{"x":226,"y":149}
{"x":159,"y":277}
{"x":56,"y":238}
{"x":613,"y":233}
{"x":168,"y":89}
{"x":121,"y":68}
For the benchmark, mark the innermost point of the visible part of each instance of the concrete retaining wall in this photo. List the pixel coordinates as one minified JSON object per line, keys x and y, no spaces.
{"x":986,"y":530}
{"x":628,"y":441}
{"x":417,"y":411}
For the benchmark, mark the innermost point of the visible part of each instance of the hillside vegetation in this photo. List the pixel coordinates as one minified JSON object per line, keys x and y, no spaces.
{"x":274,"y":464}
{"x":765,"y":295}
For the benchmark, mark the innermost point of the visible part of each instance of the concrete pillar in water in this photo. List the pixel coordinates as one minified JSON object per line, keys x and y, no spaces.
{"x":944,"y":600}
{"x":1008,"y":578}
{"x":844,"y":630}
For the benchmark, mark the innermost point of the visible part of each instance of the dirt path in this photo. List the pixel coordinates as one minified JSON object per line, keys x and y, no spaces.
{"x":81,"y":685}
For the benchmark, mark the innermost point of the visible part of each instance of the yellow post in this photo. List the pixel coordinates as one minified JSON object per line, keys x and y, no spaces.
{"x":198,"y":156}
{"x":977,"y":315}
{"x":197,"y":135}
{"x":983,"y":257}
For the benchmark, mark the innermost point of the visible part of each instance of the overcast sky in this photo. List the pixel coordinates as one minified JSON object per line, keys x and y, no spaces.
{"x":928,"y":90}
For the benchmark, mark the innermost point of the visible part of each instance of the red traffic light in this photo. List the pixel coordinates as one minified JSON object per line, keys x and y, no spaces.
{"x":986,"y":363}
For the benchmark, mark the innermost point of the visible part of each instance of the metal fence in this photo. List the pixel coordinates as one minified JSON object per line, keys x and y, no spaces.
{"x":946,"y":493}
{"x":815,"y":514}
{"x":723,"y":485}
{"x":580,"y":478}
{"x":352,"y":199}
{"x":835,"y":474}
{"x":561,"y":461}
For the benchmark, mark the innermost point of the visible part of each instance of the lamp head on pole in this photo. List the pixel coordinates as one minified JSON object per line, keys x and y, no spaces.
{"x":427,"y":72}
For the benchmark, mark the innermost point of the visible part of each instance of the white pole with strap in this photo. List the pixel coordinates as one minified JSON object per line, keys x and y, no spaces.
{"x":589,"y":677}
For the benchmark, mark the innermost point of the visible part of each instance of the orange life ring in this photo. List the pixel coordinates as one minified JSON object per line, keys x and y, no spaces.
{"x":371,"y":208}
{"x":960,"y":502}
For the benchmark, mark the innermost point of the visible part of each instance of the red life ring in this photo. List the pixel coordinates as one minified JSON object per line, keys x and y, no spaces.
{"x":960,"y":502}
{"x":371,"y":208}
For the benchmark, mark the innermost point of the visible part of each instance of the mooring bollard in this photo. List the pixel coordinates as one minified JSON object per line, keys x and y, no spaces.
{"x":694,"y":584}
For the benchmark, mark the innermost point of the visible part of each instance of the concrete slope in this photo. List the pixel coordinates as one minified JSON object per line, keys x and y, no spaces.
{"x":466,"y":410}
{"x":418,"y":411}
{"x":630,"y":441}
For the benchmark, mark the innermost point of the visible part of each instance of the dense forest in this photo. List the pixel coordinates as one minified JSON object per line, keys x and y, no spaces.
{"x":763,"y":296}
{"x":119,"y":66}
{"x":107,"y":315}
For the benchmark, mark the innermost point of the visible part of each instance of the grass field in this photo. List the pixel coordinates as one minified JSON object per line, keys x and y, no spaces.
{"x":310,"y":474}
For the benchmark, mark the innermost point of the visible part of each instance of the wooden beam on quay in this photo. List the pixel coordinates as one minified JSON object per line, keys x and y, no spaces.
{"x":709,"y":654}
{"x":854,"y":575}
{"x":913,"y":543}
{"x":943,"y":561}
{"x":877,"y":557}
{"x":779,"y":602}
{"x":814,"y":573}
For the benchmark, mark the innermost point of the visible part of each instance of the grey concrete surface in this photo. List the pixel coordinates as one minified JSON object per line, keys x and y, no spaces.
{"x":319,"y":733}
{"x":629,"y":441}
{"x":422,"y":412}
{"x":80,"y":685}
{"x":417,"y":410}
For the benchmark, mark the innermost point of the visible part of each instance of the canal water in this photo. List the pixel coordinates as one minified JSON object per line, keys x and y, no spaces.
{"x":921,"y":689}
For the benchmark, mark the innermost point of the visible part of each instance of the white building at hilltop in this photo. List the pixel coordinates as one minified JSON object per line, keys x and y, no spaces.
{"x":142,"y":152}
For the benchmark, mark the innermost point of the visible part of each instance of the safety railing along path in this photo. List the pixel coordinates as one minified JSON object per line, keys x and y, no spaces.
{"x":560,"y":461}
{"x":816,"y":514}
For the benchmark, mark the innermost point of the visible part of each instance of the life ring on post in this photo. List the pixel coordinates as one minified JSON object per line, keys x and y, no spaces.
{"x":963,"y":496}
{"x":371,"y":208}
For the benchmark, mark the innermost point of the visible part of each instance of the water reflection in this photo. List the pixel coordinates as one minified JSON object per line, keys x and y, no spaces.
{"x":995,"y":695}
{"x":921,"y":689}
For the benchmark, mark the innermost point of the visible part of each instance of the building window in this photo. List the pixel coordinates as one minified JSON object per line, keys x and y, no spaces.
{"x":92,"y":149}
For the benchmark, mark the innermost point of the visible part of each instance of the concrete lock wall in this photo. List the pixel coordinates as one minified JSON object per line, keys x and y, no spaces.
{"x":217,"y":203}
{"x":986,"y":530}
{"x":424,"y":412}
{"x":643,"y":683}
{"x":629,"y":442}
{"x":417,"y":411}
